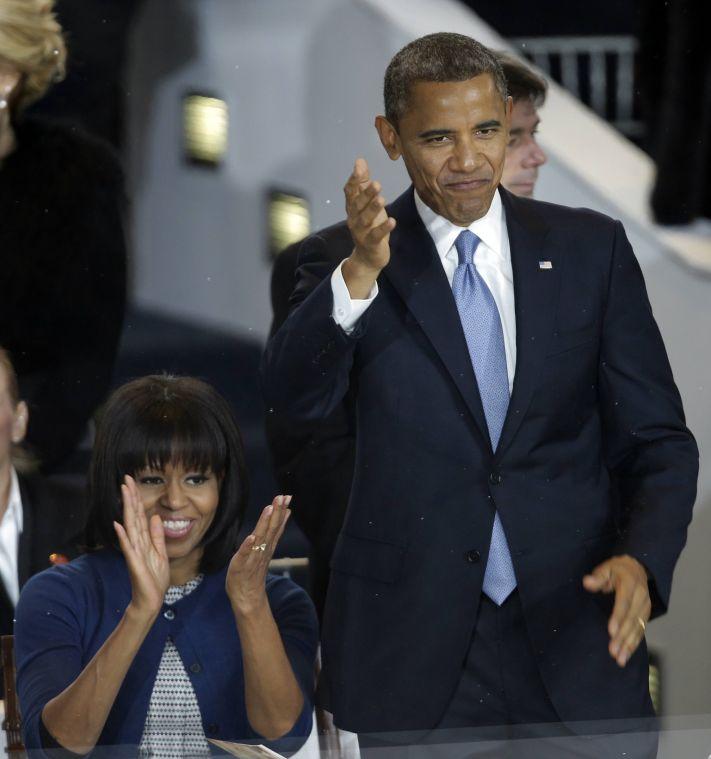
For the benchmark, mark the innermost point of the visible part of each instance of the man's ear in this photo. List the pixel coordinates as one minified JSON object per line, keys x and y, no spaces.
{"x":389,"y":137}
{"x":19,"y":423}
{"x":509,"y":112}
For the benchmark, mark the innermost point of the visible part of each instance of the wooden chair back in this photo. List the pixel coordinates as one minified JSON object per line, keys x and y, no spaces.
{"x":12,"y":724}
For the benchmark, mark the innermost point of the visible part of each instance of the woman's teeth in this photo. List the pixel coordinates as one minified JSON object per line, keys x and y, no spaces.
{"x":176,"y":526}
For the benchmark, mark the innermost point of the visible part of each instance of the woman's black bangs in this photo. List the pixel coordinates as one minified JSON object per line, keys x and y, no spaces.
{"x":165,"y":434}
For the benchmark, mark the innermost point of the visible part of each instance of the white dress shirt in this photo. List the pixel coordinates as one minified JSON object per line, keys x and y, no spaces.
{"x":492,"y":259}
{"x":10,"y":531}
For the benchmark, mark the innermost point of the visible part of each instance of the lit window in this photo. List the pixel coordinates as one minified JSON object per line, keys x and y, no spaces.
{"x":205,"y":123}
{"x":289,"y":220}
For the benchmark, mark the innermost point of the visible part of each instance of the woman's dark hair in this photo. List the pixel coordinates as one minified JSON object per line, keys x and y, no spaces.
{"x":158,"y":420}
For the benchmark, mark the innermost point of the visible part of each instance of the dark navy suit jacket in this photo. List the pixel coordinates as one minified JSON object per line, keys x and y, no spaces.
{"x":53,"y":516}
{"x":594,"y":460}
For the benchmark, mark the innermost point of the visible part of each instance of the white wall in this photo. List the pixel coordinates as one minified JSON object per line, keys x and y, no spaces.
{"x":303,"y":82}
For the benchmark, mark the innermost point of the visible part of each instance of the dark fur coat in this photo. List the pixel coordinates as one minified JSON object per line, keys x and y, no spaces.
{"x":63,"y":283}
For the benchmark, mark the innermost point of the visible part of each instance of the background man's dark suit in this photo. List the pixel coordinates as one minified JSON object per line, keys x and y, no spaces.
{"x":593,"y":397}
{"x":53,"y":519}
{"x":313,"y":460}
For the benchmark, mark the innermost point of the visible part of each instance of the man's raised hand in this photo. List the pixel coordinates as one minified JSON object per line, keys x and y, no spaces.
{"x":370,"y":228}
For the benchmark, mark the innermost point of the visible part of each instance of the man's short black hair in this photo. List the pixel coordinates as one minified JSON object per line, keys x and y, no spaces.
{"x":158,"y":420}
{"x":522,"y":82}
{"x":440,"y":57}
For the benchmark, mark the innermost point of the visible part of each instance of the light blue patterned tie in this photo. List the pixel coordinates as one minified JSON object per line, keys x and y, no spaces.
{"x":485,"y":340}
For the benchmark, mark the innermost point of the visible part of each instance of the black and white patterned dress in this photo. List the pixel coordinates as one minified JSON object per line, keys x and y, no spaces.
{"x":174,"y":724}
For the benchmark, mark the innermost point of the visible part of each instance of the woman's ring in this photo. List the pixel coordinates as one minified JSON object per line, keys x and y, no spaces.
{"x":260,"y":547}
{"x":643,"y":624}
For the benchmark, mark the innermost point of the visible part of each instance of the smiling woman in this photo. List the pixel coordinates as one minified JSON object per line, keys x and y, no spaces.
{"x":176,"y":437}
{"x":186,"y":635}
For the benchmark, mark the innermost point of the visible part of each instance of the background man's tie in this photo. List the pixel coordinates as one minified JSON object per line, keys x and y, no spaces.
{"x":485,"y":339}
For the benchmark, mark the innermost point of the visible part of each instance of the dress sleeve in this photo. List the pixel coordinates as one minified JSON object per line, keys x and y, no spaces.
{"x":295,"y":617}
{"x":48,"y":644}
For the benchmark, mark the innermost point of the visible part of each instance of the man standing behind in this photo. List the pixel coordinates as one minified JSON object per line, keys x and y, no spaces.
{"x":506,"y":367}
{"x":41,"y":522}
{"x":523,"y":153}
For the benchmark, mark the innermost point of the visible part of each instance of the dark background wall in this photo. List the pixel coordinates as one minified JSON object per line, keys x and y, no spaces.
{"x":523,"y":18}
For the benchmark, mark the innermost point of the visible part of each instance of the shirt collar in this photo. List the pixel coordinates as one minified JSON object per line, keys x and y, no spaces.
{"x":489,"y":229}
{"x":14,"y":504}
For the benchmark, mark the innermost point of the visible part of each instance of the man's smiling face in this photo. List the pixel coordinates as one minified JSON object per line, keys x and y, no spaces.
{"x":452,"y":138}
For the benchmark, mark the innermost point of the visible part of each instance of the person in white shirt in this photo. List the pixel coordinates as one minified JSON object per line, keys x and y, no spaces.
{"x":524,"y":156}
{"x":40,"y":520}
{"x":328,"y":446}
{"x":13,"y":425}
{"x":524,"y":477}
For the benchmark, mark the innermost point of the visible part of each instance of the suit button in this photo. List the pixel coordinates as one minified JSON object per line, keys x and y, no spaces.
{"x":212,"y":728}
{"x":473,"y":557}
{"x":195,"y":668}
{"x":169,"y":614}
{"x":495,"y":478}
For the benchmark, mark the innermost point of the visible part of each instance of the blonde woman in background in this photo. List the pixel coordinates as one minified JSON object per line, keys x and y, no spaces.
{"x":62,"y":293}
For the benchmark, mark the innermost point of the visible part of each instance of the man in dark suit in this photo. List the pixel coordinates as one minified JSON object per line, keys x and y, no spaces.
{"x":53,"y":519}
{"x":506,"y":368}
{"x":40,"y":520}
{"x":314,"y":460}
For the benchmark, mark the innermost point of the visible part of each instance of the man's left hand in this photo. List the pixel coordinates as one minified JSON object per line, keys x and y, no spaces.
{"x":627,"y":579}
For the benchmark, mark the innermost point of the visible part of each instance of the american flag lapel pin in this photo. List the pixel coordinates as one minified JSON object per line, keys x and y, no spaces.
{"x":545,"y":265}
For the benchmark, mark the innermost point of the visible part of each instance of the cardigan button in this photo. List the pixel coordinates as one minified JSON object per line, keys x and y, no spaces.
{"x":195,"y":668}
{"x":169,"y":614}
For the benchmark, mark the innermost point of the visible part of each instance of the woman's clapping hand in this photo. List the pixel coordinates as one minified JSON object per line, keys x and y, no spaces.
{"x":246,"y":575}
{"x":143,"y":545}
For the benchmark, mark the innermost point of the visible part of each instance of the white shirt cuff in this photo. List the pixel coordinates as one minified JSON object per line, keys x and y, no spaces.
{"x":347,"y":311}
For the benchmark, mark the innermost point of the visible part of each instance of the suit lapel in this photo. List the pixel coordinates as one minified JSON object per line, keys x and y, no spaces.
{"x":416,"y":273}
{"x":536,"y":299}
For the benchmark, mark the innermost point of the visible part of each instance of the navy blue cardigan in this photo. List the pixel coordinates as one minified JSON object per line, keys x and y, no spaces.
{"x":66,"y":613}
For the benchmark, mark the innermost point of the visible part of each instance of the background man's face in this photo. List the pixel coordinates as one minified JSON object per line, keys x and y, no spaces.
{"x":523,"y":154}
{"x":453,"y":140}
{"x":12,"y":420}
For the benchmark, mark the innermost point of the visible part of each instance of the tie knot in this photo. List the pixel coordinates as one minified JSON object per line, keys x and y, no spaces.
{"x":466,"y":244}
